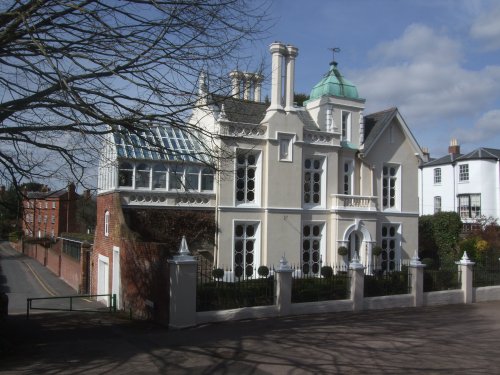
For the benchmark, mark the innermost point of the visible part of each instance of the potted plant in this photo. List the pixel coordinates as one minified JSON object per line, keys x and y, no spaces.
{"x":343,"y":251}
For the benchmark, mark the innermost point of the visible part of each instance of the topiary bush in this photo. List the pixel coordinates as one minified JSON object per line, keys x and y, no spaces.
{"x":326,"y":271}
{"x":263,"y":271}
{"x":343,"y":250}
{"x":218,"y":273}
{"x":377,"y":250}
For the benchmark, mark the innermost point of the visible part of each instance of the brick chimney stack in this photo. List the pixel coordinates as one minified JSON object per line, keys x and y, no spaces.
{"x":454,"y":148}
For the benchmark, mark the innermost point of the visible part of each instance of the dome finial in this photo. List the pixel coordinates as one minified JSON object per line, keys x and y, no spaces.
{"x":334,"y":49}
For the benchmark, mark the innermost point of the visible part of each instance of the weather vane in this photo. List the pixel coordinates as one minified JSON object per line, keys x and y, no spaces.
{"x":334,"y":49}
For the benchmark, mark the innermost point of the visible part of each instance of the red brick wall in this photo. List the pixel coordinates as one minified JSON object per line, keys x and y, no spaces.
{"x":40,"y":253}
{"x":103,"y":245}
{"x":54,"y":260}
{"x":70,"y":271}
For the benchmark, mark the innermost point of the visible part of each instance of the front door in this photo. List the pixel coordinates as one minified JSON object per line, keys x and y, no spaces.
{"x":103,"y":278}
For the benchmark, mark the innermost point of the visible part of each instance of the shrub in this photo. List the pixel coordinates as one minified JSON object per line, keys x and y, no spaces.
{"x":15,"y":236}
{"x":377,"y":250}
{"x":343,"y":250}
{"x":326,"y":271}
{"x":218,"y":273}
{"x":429,"y":262}
{"x":263,"y":271}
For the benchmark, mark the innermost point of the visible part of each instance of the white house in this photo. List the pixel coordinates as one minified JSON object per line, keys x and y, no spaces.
{"x":294,"y":181}
{"x":468,"y":184}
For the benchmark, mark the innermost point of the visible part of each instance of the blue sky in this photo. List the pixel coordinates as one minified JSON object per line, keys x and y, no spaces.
{"x":438,"y":61}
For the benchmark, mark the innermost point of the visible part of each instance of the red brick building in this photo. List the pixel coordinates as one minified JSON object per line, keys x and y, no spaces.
{"x":50,"y":213}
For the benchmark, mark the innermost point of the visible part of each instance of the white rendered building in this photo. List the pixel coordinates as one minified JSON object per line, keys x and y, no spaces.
{"x":468,"y":184}
{"x":300,"y":182}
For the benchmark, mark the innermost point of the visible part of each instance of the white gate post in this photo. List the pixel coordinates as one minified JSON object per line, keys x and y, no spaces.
{"x":283,"y":292}
{"x":357,"y":271}
{"x":182,"y":289}
{"x":417,"y":280}
{"x":466,"y":265}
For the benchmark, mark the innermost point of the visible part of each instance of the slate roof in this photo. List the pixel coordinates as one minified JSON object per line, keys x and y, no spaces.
{"x":46,"y":194}
{"x":307,"y":120}
{"x":241,"y":111}
{"x":374,"y":123}
{"x":447,"y":159}
{"x":481,"y":153}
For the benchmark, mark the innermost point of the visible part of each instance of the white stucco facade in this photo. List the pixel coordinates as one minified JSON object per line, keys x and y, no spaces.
{"x":467,"y":184}
{"x":298,"y":182}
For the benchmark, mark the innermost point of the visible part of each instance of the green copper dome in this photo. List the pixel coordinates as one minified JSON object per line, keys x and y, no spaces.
{"x":335,"y":84}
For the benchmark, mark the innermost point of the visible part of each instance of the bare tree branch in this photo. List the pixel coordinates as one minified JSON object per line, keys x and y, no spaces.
{"x":72,"y":71}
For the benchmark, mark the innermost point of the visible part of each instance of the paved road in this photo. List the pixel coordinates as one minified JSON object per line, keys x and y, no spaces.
{"x":460,"y":339}
{"x":454,"y":339}
{"x":22,"y":277}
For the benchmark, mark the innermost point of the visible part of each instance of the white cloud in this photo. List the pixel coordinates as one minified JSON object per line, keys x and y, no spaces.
{"x":485,"y":128}
{"x":421,"y":74}
{"x":419,"y":43}
{"x":486,"y":28}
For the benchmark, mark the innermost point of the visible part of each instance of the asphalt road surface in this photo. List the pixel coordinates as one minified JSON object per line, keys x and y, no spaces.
{"x":453,"y":339}
{"x":22,"y":277}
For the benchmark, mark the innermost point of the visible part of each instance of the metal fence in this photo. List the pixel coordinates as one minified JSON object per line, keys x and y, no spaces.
{"x":378,"y":282}
{"x":486,"y":273}
{"x":331,"y":283}
{"x":444,"y":278}
{"x":82,"y":303}
{"x":219,"y":289}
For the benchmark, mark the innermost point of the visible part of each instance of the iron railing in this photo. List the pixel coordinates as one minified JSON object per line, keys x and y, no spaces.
{"x":71,"y":305}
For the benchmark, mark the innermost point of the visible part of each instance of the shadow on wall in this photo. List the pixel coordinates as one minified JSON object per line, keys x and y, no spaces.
{"x":154,"y":237}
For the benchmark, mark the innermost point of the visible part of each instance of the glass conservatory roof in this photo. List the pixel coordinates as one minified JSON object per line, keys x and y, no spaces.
{"x":157,"y":142}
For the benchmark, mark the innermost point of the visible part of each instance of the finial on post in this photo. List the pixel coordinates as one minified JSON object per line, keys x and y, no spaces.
{"x":415,"y":261}
{"x":284,"y":263}
{"x":183,"y":251}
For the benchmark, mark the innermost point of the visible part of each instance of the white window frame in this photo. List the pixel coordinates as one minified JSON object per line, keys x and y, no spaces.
{"x":322,"y":246}
{"x":323,"y":167}
{"x":106,"y":223}
{"x":467,"y":207}
{"x":387,"y":195}
{"x":257,"y":177}
{"x":397,"y":249}
{"x":463,"y":173}
{"x":256,"y":247}
{"x":437,"y":204}
{"x":346,"y":123}
{"x":437,"y":176}
{"x":348,"y":177}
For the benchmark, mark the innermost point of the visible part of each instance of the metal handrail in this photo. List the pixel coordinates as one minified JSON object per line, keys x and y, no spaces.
{"x":111,"y":308}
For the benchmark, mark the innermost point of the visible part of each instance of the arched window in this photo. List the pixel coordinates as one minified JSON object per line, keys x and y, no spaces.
{"x":159,"y":176}
{"x":106,"y":223}
{"x":142,"y":174}
{"x":125,"y":174}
